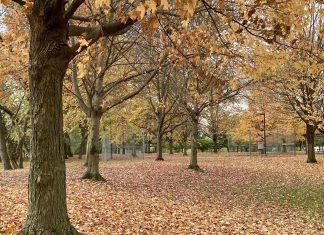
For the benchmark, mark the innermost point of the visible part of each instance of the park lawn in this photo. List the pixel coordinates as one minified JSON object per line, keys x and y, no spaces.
{"x":233,"y":195}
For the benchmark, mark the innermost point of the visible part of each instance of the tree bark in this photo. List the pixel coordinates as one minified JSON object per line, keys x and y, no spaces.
{"x":67,"y":146}
{"x":123,"y":148}
{"x":3,"y":146}
{"x":82,"y":147}
{"x":93,"y":149}
{"x":159,"y":136}
{"x":184,"y":143}
{"x":171,"y":145}
{"x":310,"y":138}
{"x":84,"y":136}
{"x":47,"y":210}
{"x":215,"y":140}
{"x":194,"y":145}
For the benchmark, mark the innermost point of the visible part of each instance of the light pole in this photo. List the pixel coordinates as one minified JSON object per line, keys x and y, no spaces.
{"x":264,"y":133}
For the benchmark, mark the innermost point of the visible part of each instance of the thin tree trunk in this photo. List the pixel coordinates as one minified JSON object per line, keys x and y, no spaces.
{"x":82,"y":148}
{"x":171,"y":145}
{"x":310,"y":138}
{"x":194,"y":146}
{"x":93,"y":149}
{"x":84,"y":135}
{"x":47,"y":209}
{"x":184,"y":140}
{"x":159,"y":156}
{"x":21,"y":160}
{"x":123,"y":148}
{"x":20,"y":146}
{"x":3,"y":146}
{"x":148,"y":147}
{"x":215,"y":143}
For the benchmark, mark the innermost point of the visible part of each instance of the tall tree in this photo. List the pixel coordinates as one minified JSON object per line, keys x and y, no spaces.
{"x":51,"y":26}
{"x":164,"y":106}
{"x":49,"y":56}
{"x":296,"y":74}
{"x":108,"y":79}
{"x":198,"y":94}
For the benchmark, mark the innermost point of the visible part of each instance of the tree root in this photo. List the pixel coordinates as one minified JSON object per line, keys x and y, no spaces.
{"x":195,"y":168}
{"x":93,"y":176}
{"x":159,"y":159}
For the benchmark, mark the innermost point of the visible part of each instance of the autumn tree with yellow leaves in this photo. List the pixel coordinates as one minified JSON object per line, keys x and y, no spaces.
{"x":52,"y":25}
{"x":294,"y":71}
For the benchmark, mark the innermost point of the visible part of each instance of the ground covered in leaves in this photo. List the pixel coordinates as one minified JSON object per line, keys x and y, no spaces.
{"x":233,"y":195}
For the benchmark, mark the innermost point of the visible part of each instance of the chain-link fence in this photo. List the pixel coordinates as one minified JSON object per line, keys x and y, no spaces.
{"x":126,"y":150}
{"x":274,"y":142}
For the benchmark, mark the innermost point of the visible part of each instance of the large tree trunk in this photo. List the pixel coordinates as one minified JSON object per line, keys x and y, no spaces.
{"x":3,"y":146}
{"x":47,"y":210}
{"x":159,"y":136}
{"x":215,"y":140}
{"x":194,"y":146}
{"x":93,"y":149}
{"x":310,"y":138}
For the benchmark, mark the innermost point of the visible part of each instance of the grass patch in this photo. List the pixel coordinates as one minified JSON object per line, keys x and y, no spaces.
{"x":307,"y":197}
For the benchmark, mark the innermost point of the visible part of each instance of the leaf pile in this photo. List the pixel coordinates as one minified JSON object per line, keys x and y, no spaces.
{"x":234,"y":195}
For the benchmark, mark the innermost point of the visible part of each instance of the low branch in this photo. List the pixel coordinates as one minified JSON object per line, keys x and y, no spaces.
{"x":77,"y":92}
{"x":83,"y":18}
{"x":113,"y":84}
{"x":73,"y":7}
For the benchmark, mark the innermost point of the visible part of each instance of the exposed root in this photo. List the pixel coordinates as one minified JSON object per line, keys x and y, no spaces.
{"x":195,"y":168}
{"x":159,"y":159}
{"x":93,"y":176}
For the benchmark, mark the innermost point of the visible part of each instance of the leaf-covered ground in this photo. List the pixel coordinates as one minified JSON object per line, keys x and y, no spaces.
{"x":234,"y":195}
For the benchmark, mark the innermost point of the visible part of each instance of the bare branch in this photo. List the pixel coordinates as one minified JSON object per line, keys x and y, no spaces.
{"x":92,"y":34}
{"x":113,"y":84}
{"x":77,"y":92}
{"x":72,"y":9}
{"x":120,"y":100}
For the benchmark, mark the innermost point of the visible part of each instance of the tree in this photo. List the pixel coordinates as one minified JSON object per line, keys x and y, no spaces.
{"x":51,"y":26}
{"x":50,"y":55}
{"x":108,"y":80}
{"x":296,"y":74}
{"x":198,"y":94}
{"x":279,"y":120}
{"x":165,"y":108}
{"x":219,"y":121}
